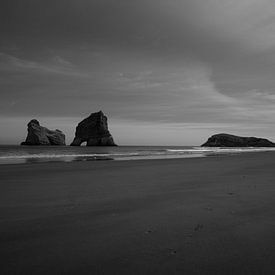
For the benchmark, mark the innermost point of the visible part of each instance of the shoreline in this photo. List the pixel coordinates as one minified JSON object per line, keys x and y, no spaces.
{"x":83,"y":159}
{"x":210,"y":215}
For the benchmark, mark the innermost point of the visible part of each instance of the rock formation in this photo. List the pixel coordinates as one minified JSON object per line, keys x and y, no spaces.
{"x":94,"y":131}
{"x":38,"y":135}
{"x":226,"y":140}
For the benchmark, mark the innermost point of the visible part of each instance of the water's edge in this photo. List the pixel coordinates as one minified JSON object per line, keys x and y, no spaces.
{"x":33,"y":154}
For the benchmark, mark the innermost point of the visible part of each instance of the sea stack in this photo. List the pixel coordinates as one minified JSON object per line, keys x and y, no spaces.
{"x":226,"y":140}
{"x":94,"y":131}
{"x":38,"y":135}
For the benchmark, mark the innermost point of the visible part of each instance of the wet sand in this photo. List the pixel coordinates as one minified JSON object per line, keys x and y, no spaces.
{"x":210,"y":215}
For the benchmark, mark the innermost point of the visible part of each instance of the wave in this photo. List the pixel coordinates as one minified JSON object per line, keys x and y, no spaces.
{"x":194,"y":150}
{"x":17,"y":155}
{"x":240,"y":149}
{"x":221,"y":150}
{"x":62,"y":155}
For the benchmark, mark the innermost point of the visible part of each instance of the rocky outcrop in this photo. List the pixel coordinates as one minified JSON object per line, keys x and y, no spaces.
{"x":226,"y":140}
{"x":94,"y":131}
{"x":38,"y":135}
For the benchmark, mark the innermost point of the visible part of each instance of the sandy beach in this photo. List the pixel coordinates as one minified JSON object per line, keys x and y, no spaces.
{"x":211,"y":215}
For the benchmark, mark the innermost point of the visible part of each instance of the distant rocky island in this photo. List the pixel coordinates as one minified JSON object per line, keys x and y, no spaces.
{"x":226,"y":140}
{"x":39,"y":135}
{"x":94,"y":131}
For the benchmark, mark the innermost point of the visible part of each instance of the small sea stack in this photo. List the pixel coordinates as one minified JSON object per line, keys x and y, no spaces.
{"x":39,"y":135}
{"x":94,"y":131}
{"x":226,"y":140}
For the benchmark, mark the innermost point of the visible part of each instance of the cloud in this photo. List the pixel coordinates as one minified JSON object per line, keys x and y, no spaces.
{"x":57,"y":65}
{"x":188,"y":62}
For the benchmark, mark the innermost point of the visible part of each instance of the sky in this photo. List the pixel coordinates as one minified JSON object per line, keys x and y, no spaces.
{"x":164,"y":72}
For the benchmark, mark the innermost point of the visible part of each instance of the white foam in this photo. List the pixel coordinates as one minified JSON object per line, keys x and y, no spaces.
{"x":187,"y":150}
{"x":145,"y":154}
{"x":221,"y":150}
{"x":63,"y":155}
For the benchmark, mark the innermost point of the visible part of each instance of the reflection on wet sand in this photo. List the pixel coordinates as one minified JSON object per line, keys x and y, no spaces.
{"x":64,"y":159}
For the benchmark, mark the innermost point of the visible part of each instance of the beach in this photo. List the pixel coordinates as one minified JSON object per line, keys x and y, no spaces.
{"x":209,"y":215}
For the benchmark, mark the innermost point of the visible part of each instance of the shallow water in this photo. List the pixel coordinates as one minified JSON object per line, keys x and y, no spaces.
{"x":11,"y":154}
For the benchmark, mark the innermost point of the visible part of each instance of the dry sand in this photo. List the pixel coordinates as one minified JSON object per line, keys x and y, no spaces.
{"x":211,"y":215}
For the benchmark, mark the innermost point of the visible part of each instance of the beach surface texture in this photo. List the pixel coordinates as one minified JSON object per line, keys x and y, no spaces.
{"x":211,"y":215}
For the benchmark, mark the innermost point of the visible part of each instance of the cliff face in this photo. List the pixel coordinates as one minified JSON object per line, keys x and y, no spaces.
{"x":38,"y":135}
{"x":226,"y":140}
{"x":94,"y":131}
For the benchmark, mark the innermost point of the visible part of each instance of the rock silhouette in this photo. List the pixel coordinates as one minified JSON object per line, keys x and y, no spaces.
{"x":38,"y":135}
{"x":94,"y":131}
{"x":226,"y":140}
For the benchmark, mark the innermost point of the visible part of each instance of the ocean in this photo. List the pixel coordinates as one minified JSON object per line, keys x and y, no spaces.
{"x":14,"y":154}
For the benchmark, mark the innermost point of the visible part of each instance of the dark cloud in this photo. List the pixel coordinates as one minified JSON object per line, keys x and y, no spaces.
{"x":157,"y":61}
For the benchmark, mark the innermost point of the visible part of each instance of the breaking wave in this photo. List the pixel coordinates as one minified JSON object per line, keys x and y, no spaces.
{"x":19,"y":154}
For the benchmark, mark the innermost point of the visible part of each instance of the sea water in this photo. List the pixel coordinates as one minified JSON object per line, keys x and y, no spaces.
{"x":13,"y":154}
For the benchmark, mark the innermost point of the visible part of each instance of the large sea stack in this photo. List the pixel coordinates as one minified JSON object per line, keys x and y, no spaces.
{"x":94,"y":131}
{"x":38,"y":135}
{"x":226,"y":140}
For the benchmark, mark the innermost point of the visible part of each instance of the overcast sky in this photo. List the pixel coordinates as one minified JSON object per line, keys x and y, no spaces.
{"x":164,"y":72}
